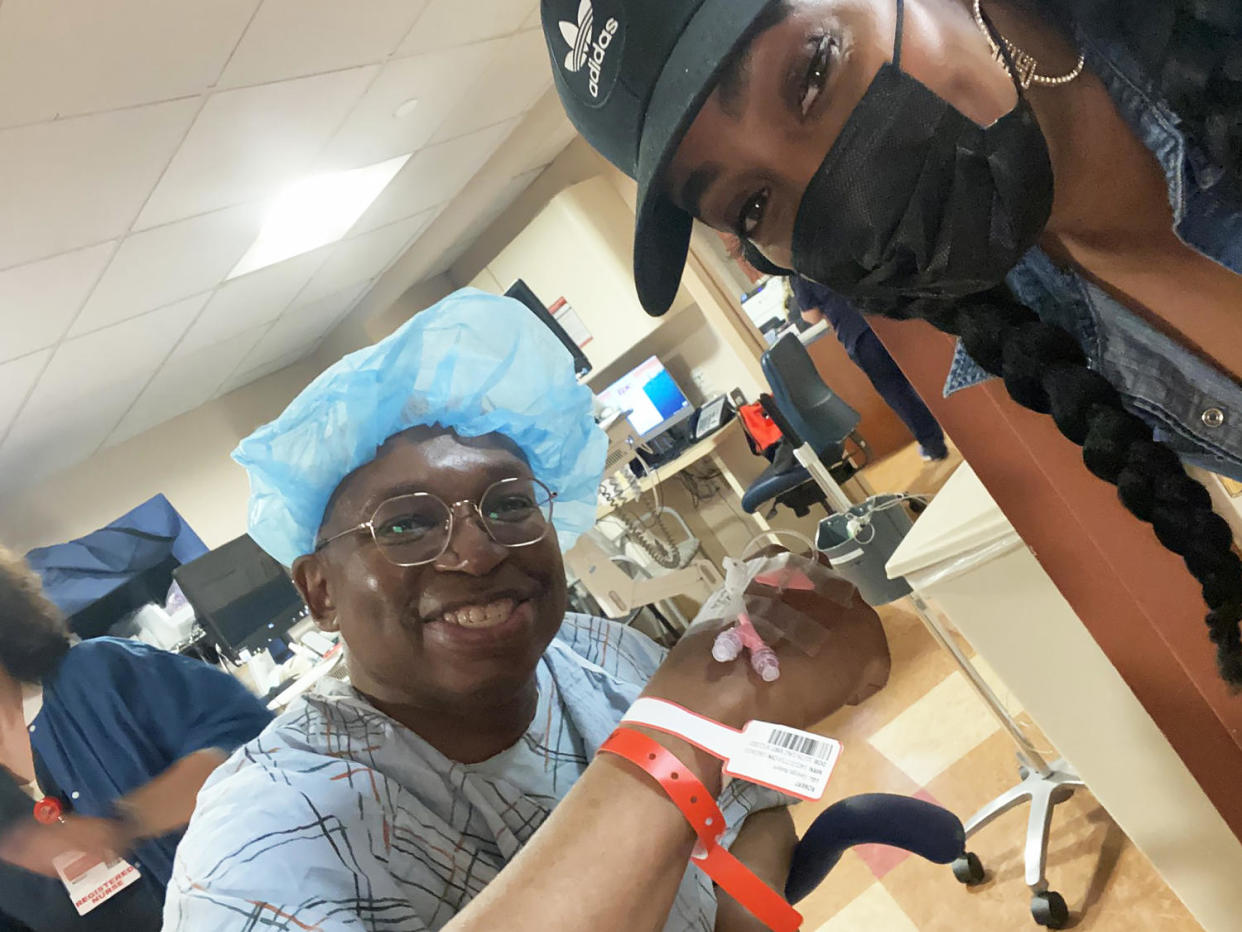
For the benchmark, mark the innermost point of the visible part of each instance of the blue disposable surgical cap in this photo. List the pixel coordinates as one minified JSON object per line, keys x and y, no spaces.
{"x":475,"y":363}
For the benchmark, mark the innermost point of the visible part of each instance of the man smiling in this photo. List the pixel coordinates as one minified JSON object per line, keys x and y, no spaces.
{"x":422,"y":490}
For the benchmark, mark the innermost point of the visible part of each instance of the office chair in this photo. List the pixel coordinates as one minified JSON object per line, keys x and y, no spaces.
{"x":817,"y":424}
{"x":922,"y":828}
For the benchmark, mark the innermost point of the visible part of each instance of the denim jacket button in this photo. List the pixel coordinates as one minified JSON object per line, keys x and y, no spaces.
{"x":1213,"y":417}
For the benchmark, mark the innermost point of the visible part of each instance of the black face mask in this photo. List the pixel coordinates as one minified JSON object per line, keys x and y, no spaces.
{"x":914,"y":198}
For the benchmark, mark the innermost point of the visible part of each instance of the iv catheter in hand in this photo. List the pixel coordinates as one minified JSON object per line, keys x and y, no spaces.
{"x":731,"y":641}
{"x":780,"y":574}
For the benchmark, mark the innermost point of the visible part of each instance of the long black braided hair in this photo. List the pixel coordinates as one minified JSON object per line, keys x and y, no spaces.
{"x":1193,"y":50}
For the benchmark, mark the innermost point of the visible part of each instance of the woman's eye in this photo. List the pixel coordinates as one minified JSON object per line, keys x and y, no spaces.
{"x":752,"y":213}
{"x":816,"y":74}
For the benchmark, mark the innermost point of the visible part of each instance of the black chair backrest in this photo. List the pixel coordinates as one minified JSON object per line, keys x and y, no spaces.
{"x":816,"y":413}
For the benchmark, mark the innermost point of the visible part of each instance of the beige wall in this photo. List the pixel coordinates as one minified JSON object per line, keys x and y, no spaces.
{"x":362,"y":329}
{"x":186,"y":458}
{"x":576,"y":163}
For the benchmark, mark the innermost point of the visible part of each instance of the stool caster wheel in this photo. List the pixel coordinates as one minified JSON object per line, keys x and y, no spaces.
{"x":1049,"y":910}
{"x":968,"y":869}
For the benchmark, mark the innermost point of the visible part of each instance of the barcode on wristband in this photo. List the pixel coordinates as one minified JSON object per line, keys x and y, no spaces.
{"x":786,"y":759}
{"x":803,"y":744}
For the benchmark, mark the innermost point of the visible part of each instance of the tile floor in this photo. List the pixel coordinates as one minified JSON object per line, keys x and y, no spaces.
{"x":926,"y":734}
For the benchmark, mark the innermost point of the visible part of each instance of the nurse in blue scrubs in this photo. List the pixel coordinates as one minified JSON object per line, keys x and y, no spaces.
{"x":109,"y":742}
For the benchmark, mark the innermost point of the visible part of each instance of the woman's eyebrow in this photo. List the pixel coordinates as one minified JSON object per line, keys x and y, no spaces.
{"x":690,"y":197}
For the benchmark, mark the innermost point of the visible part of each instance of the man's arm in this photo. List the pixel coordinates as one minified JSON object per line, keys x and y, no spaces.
{"x":615,"y":834}
{"x":765,"y":844}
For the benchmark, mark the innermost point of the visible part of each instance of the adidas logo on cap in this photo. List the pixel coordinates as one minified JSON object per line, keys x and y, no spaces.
{"x":584,"y":52}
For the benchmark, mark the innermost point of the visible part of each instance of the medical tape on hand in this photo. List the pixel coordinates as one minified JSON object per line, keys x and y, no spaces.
{"x":757,"y":586}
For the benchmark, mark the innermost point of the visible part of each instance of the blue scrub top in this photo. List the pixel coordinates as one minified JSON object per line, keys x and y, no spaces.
{"x":118,"y":713}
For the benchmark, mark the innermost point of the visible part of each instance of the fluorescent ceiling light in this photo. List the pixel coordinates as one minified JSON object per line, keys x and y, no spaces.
{"x":316,"y":211}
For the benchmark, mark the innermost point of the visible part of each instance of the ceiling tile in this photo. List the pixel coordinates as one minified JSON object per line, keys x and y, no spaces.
{"x":16,"y":378}
{"x":290,"y":38}
{"x":247,"y":144}
{"x":158,"y":266}
{"x":433,"y":176}
{"x":499,"y":202}
{"x":544,"y":134}
{"x":74,"y":182}
{"x":258,"y":298}
{"x":360,"y":258}
{"x":246,"y":374}
{"x":301,"y":328}
{"x":374,"y":132}
{"x":38,"y":300}
{"x":513,"y":80}
{"x":445,"y":24}
{"x":65,"y":57}
{"x":187,"y":380}
{"x":88,"y":385}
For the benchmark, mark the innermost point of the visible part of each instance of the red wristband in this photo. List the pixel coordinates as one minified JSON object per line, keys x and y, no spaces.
{"x":696,"y":803}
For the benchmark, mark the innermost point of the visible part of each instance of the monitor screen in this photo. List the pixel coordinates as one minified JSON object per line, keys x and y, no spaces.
{"x":241,"y":596}
{"x":651,"y":396}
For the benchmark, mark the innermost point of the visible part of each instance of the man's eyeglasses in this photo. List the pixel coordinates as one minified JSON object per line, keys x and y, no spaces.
{"x":416,"y":528}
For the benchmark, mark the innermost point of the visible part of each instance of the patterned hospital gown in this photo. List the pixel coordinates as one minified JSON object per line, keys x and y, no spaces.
{"x":338,"y":818}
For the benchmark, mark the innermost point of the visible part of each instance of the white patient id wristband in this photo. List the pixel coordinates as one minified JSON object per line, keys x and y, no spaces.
{"x":785,"y":759}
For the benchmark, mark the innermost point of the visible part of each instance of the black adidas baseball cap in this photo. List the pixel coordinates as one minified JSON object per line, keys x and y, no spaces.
{"x":632,"y":75}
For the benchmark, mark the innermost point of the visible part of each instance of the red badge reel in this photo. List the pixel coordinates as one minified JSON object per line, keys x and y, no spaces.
{"x":48,"y":810}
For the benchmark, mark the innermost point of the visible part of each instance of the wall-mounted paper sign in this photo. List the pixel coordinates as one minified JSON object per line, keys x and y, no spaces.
{"x":569,"y":320}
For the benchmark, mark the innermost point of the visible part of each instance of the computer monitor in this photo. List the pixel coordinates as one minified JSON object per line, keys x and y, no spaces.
{"x":243,"y":598}
{"x":651,"y":396}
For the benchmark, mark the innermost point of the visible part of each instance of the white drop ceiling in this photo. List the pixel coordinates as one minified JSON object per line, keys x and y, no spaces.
{"x":140,"y":142}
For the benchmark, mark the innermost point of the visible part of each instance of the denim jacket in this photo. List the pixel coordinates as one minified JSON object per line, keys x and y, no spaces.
{"x":1189,"y":403}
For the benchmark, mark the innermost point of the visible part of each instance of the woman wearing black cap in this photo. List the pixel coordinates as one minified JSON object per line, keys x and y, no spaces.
{"x":1058,"y":183}
{"x":887,"y":153}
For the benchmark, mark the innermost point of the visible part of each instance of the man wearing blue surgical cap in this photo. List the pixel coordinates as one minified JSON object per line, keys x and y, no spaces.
{"x":422,"y":490}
